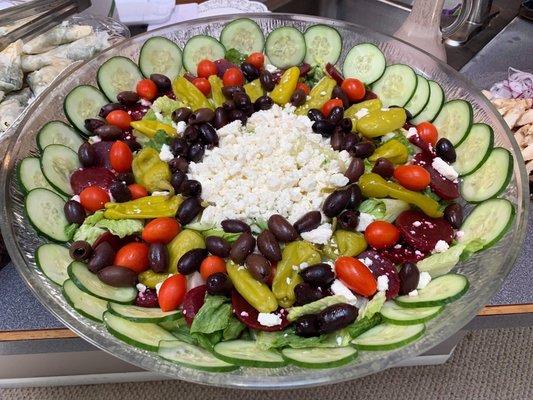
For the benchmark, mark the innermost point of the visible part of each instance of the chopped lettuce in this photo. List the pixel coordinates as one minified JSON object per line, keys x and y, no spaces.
{"x":95,"y":225}
{"x":230,"y":237}
{"x":235,"y":56}
{"x":441,"y":263}
{"x":362,"y":325}
{"x":288,"y":338}
{"x":373,"y":306}
{"x":233,"y":330}
{"x":165,"y":105}
{"x":160,"y":138}
{"x":315,"y":306}
{"x":314,"y":75}
{"x":400,"y":137}
{"x":384,"y":209}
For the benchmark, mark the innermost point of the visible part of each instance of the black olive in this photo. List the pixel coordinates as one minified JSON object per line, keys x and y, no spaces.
{"x":92,"y":123}
{"x":453,"y":213}
{"x":298,"y":97}
{"x":355,"y":169}
{"x":383,"y":168}
{"x":179,"y":147}
{"x":348,"y":219}
{"x":323,"y":127}
{"x":235,"y":226}
{"x":221,"y":118}
{"x":335,"y":115}
{"x":346,"y":124}
{"x":208,"y":135}
{"x":87,"y":154}
{"x":249,"y":71}
{"x":103,"y":256}
{"x":158,"y":257}
{"x":242,"y":101}
{"x":315,"y":114}
{"x":108,"y":132}
{"x":238,"y":115}
{"x":80,"y":250}
{"x":191,"y":187}
{"x":337,"y":140}
{"x":305,"y":293}
{"x":318,"y":275}
{"x":267,"y":80}
{"x":218,"y":284}
{"x":191,"y":134}
{"x":120,"y":192}
{"x":196,"y":152}
{"x":128,"y":98}
{"x":105,"y":110}
{"x":177,"y":179}
{"x":188,"y":210}
{"x":409,"y":276}
{"x":356,"y":197}
{"x":74,"y":212}
{"x":162,"y":82}
{"x":191,"y":260}
{"x":362,"y":149}
{"x":263,"y":103}
{"x":336,"y":202}
{"x":201,"y":116}
{"x":178,"y":164}
{"x":445,"y":150}
{"x":181,"y":114}
{"x":340,"y":94}
{"x":336,"y":317}
{"x":243,"y":246}
{"x":230,"y":91}
{"x":127,"y":177}
{"x":218,"y":246}
{"x":133,"y":144}
{"x":306,"y":326}
{"x":350,"y":141}
{"x":308,"y":222}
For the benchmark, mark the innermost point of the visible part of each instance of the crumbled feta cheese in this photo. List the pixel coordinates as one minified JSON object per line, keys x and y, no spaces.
{"x":459,"y":234}
{"x":146,"y":103}
{"x":338,"y":288}
{"x":411,"y":132}
{"x":441,"y":246}
{"x":140,"y":287}
{"x":180,"y":126}
{"x":383,"y":283}
{"x":268,"y":319}
{"x":320,"y":235}
{"x":270,"y":68}
{"x":244,"y":314}
{"x":157,"y":287}
{"x":385,"y":108}
{"x":76,"y":198}
{"x":94,"y":139}
{"x":364,"y":220}
{"x":417,"y":224}
{"x":303,"y":265}
{"x":161,"y":193}
{"x":413,"y":293}
{"x":367,"y":261}
{"x":288,"y":280}
{"x":445,"y":169}
{"x":339,"y":340}
{"x":165,"y":154}
{"x":423,"y":280}
{"x":388,"y":136}
{"x":361,"y":113}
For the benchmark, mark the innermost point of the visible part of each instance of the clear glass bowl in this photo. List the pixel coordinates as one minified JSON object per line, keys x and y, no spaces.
{"x":486,"y":270}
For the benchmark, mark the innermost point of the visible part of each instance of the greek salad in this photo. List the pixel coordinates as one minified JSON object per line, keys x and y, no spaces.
{"x":249,"y":202}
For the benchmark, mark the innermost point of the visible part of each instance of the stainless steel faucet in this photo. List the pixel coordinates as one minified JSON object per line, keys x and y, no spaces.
{"x":479,"y":16}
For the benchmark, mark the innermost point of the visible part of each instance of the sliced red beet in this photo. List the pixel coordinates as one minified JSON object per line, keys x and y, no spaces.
{"x":443,"y":187}
{"x":137,"y":111}
{"x":379,"y":265}
{"x":248,"y":315}
{"x":369,"y":95}
{"x":102,"y":154}
{"x":148,"y":299}
{"x":403,"y":253}
{"x":193,"y":301}
{"x":423,"y":232}
{"x":334,"y":73}
{"x":95,"y":176}
{"x":426,"y":147}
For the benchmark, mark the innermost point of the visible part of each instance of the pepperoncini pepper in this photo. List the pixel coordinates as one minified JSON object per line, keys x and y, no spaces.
{"x":190,"y":94}
{"x":373,"y":185}
{"x":345,"y":243}
{"x":285,"y":88}
{"x":393,"y":150}
{"x":216,"y":90}
{"x":254,"y":292}
{"x":287,"y":277}
{"x":151,"y":279}
{"x":379,"y":123}
{"x":150,"y":127}
{"x":370,"y":105}
{"x":319,"y":94}
{"x":144,"y":207}
{"x":150,"y":171}
{"x":254,"y":90}
{"x":186,"y":240}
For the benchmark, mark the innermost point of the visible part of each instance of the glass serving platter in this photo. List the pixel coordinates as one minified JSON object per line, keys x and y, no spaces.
{"x":485,"y":270}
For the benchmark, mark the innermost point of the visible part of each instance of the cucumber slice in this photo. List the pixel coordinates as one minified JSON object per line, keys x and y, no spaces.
{"x":45,"y":212}
{"x":192,"y":356}
{"x":57,"y":132}
{"x":396,"y":86}
{"x":58,"y":162}
{"x":420,"y":98}
{"x":53,"y":259}
{"x":201,"y":47}
{"x":320,"y":357}
{"x":89,"y":283}
{"x":30,"y":175}
{"x":87,"y":305}
{"x":83,"y":102}
{"x":160,"y":55}
{"x":441,"y":290}
{"x":245,"y":353}
{"x":454,"y":121}
{"x":388,"y":336}
{"x":490,"y":179}
{"x":144,"y":335}
{"x":285,"y":47}
{"x":488,"y":222}
{"x":365,"y":62}
{"x":474,"y":150}
{"x":394,"y":314}
{"x":116,"y":75}
{"x":433,"y":106}
{"x":323,"y":45}
{"x":244,"y":35}
{"x":143,"y":314}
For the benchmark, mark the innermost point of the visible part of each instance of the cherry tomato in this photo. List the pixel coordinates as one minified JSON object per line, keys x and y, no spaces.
{"x":354,"y":89}
{"x":203,"y":85}
{"x":381,"y":234}
{"x":356,"y":276}
{"x":413,"y":177}
{"x":172,"y":292}
{"x":233,"y":77}
{"x":256,"y":59}
{"x":119,"y":118}
{"x":120,"y":156}
{"x":133,"y":256}
{"x":211,"y":265}
{"x":329,"y":105}
{"x":427,"y":132}
{"x":147,"y":89}
{"x":303,"y":86}
{"x":137,"y":191}
{"x":161,"y":230}
{"x":93,"y":198}
{"x":206,"y":68}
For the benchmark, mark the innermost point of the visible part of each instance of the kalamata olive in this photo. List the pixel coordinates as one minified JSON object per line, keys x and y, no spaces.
{"x":298,"y":97}
{"x":229,"y":91}
{"x":282,"y":229}
{"x":276,"y":76}
{"x":114,"y":275}
{"x":323,"y":127}
{"x":350,"y":141}
{"x":355,"y":169}
{"x":103,"y":256}
{"x":191,"y":260}
{"x":259,"y":267}
{"x":196,"y":152}
{"x":177,"y":179}
{"x":158,"y":257}
{"x":267,"y":80}
{"x":234,"y":226}
{"x":133,"y":144}
{"x":221,"y":118}
{"x":92,"y":123}
{"x":445,"y":150}
{"x":218,"y":246}
{"x":191,"y":134}
{"x":120,"y":192}
{"x":383,"y":168}
{"x":348,"y":219}
{"x":178,"y":164}
{"x":87,"y":154}
{"x":269,"y":246}
{"x":128,"y":98}
{"x":306,"y":326}
{"x":335,"y":115}
{"x":243,"y":246}
{"x":190,"y":188}
{"x":162,"y":82}
{"x":263,"y":103}
{"x":356,"y":197}
{"x":336,"y":202}
{"x":315,"y":114}
{"x":181,"y":114}
{"x":453,"y":213}
{"x":74,"y":212}
{"x":409,"y":276}
{"x":304,"y":69}
{"x":340,"y":94}
{"x":318,"y":275}
{"x":242,"y":100}
{"x":188,"y":210}
{"x":179,"y":147}
{"x":346,"y":124}
{"x":202,"y":115}
{"x":337,"y":140}
{"x":218,"y":284}
{"x":105,"y":110}
{"x":363,"y":149}
{"x":248,"y":110}
{"x":249,"y":71}
{"x":127,"y":177}
{"x":235,"y":115}
{"x":208,"y":135}
{"x":228,"y":105}
{"x":308,"y":222}
{"x":80,"y":250}
{"x":305,"y":293}
{"x":336,"y":317}
{"x":109,"y":132}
